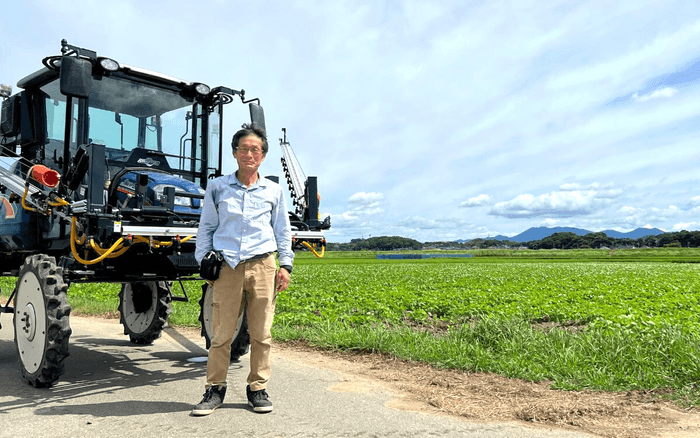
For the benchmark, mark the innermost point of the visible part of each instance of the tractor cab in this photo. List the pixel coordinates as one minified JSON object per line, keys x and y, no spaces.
{"x":124,"y":141}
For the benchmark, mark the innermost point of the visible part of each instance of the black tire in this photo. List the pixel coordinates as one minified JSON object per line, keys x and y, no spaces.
{"x":241,"y":339}
{"x":41,"y":320}
{"x":144,"y":308}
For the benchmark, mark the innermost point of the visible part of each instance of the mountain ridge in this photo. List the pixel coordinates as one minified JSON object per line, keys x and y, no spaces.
{"x":539,"y":233}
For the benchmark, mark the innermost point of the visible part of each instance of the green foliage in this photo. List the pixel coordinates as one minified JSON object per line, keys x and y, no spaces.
{"x":94,"y":298}
{"x":595,"y":293}
{"x":608,"y":360}
{"x":611,"y":320}
{"x":7,"y":285}
{"x":383,"y":243}
{"x":586,"y":318}
{"x":186,"y":314}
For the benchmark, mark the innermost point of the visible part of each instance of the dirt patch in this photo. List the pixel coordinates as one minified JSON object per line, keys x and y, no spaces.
{"x":488,"y":398}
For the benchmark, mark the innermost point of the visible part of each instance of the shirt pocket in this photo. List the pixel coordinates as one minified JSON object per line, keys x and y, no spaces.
{"x":229,"y":207}
{"x":261,"y":210}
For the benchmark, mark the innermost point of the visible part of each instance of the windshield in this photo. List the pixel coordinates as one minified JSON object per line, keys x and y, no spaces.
{"x":125,"y":115}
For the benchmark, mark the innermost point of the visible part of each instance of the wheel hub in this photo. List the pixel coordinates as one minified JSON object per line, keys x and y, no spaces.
{"x":29,"y":322}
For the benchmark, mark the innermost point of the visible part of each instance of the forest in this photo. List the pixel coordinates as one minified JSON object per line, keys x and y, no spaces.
{"x":680,"y":239}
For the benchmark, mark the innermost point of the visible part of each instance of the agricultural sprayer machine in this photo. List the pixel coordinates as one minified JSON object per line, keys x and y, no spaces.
{"x":103,"y":167}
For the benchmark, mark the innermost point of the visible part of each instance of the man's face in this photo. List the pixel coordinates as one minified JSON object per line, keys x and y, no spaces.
{"x":249,"y":154}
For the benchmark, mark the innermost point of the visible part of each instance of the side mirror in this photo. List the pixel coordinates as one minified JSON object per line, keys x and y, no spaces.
{"x":257,"y":115}
{"x":76,"y":76}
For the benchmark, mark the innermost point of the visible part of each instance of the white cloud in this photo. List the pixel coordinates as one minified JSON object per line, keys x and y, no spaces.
{"x":662,"y":93}
{"x":668,"y":212}
{"x":626,"y":210}
{"x":686,"y":226}
{"x":570,"y":187}
{"x":549,"y":222}
{"x":422,"y":223}
{"x":363,"y":205}
{"x":600,"y":190}
{"x":572,"y":200}
{"x":476,"y":201}
{"x":631,"y":217}
{"x":366,"y":199}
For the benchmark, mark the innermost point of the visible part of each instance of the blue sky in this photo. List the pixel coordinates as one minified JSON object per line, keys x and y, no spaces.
{"x":433,"y":120}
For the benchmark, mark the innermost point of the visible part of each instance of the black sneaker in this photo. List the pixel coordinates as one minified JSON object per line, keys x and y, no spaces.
{"x":213,"y":398}
{"x":259,"y":400}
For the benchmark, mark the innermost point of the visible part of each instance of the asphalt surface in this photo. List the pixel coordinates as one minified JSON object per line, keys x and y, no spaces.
{"x":113,"y":388}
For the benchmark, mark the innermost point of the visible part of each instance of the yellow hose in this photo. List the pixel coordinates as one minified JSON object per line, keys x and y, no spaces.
{"x":323,"y":249}
{"x":24,"y":197}
{"x":156,"y":243}
{"x":137,"y":239}
{"x":59,"y":202}
{"x":116,"y":250}
{"x":99,"y":250}
{"x":159,"y":243}
{"x":116,"y":246}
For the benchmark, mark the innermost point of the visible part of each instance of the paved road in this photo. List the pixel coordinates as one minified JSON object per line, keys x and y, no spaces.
{"x":113,"y":388}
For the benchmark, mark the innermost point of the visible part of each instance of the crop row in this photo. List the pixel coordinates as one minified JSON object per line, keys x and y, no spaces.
{"x":611,"y":293}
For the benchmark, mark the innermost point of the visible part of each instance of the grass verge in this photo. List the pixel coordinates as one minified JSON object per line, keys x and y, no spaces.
{"x":663,"y":359}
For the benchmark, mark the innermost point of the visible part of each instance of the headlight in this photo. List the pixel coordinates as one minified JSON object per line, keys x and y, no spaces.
{"x":109,"y":64}
{"x":202,"y":89}
{"x":182,"y":201}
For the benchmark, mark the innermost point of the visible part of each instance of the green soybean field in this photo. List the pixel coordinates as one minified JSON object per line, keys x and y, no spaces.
{"x":596,"y":321}
{"x":586,"y":319}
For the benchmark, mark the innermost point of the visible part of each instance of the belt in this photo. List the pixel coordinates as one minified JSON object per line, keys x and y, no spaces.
{"x":257,"y":257}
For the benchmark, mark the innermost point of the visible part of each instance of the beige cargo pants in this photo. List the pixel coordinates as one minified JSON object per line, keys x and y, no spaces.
{"x":251,"y":284}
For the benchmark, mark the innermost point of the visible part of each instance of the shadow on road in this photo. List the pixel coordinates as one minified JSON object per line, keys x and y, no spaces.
{"x":117,"y":409}
{"x":107,"y":368}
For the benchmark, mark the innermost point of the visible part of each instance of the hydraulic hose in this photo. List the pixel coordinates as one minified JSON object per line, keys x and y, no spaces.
{"x":116,"y":250}
{"x":59,"y":202}
{"x":101,"y":251}
{"x":116,"y":246}
{"x":24,"y":203}
{"x":313,"y":250}
{"x":159,"y":243}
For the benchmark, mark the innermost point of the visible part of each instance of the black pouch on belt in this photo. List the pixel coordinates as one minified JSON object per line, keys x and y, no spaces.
{"x":210,"y":267}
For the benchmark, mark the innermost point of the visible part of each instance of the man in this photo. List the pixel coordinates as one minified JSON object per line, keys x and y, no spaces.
{"x":244,"y":217}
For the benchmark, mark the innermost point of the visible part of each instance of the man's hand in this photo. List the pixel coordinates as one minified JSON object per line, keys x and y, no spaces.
{"x":282,"y":279}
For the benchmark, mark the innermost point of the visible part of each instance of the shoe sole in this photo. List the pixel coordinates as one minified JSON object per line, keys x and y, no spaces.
{"x":203,"y":412}
{"x":261,"y":409}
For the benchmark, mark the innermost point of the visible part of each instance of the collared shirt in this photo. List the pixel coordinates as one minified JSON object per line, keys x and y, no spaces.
{"x":243,"y":222}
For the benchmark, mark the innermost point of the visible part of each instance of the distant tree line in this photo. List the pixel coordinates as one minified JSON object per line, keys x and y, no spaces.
{"x":680,"y":239}
{"x":383,"y":243}
{"x":684,"y":239}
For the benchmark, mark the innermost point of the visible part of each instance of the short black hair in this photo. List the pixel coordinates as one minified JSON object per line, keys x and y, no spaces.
{"x":250,"y":129}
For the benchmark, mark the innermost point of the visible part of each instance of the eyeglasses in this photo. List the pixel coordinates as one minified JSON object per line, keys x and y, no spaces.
{"x":254,"y":151}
